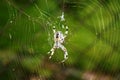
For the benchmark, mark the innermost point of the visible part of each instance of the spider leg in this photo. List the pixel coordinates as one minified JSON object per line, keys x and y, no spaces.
{"x":51,"y":52}
{"x":65,"y":53}
{"x":54,"y":29}
{"x":66,"y":32}
{"x":62,"y":17}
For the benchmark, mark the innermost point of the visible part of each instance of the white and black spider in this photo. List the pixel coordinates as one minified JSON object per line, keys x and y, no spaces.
{"x":59,"y":38}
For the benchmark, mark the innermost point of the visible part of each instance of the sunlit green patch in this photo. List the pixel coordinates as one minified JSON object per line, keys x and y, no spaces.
{"x":44,"y":72}
{"x":31,"y":63}
{"x":114,"y":62}
{"x":88,"y":8}
{"x":99,"y":51}
{"x":111,"y":35}
{"x":81,"y":39}
{"x":99,"y":20}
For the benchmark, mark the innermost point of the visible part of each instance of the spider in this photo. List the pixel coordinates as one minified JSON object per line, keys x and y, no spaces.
{"x":58,"y":40}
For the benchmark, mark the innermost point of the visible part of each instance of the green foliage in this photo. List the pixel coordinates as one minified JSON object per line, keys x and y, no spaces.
{"x":93,"y":41}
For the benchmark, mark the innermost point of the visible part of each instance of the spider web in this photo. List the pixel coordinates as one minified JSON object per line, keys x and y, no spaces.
{"x":29,"y":33}
{"x":97,"y":27}
{"x":104,"y":25}
{"x":102,"y":20}
{"x":40,"y":18}
{"x":35,"y":25}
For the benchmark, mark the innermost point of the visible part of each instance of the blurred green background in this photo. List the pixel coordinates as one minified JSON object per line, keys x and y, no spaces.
{"x":93,"y":42}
